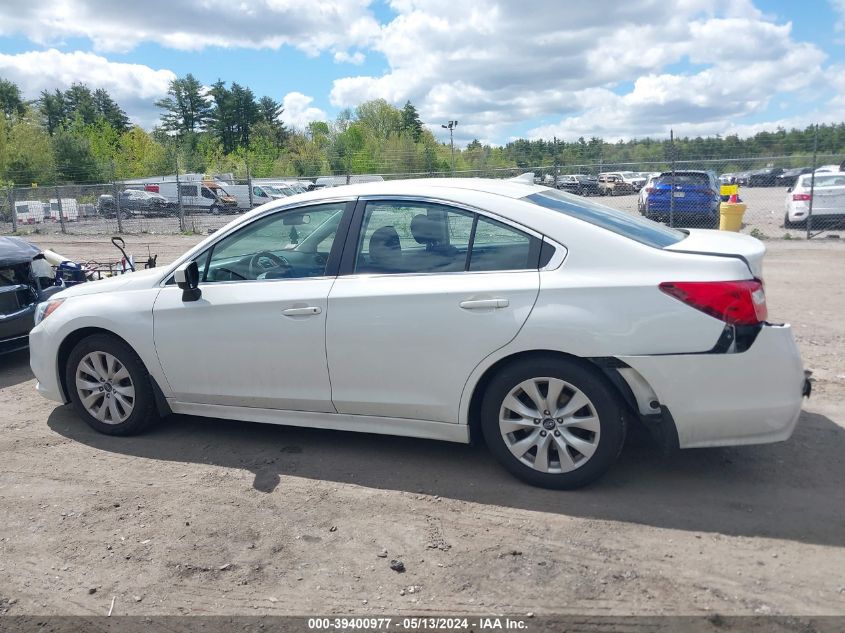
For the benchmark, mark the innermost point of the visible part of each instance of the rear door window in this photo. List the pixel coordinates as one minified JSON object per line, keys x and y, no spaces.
{"x":423,"y":237}
{"x":497,"y":246}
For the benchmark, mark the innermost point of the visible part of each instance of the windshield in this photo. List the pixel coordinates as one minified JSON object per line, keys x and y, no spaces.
{"x":699,"y":180}
{"x":631,"y":226}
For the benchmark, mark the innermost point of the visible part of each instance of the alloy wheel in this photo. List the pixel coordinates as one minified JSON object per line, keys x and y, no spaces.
{"x":105,"y":387}
{"x":549,"y":425}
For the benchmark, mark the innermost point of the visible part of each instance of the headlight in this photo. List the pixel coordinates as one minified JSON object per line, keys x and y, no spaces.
{"x":46,"y":308}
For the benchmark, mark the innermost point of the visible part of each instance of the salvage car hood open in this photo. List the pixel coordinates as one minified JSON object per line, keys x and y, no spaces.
{"x":14,"y":250}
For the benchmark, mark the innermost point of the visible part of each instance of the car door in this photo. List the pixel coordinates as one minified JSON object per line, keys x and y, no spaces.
{"x":426,"y":291}
{"x":256,"y":337}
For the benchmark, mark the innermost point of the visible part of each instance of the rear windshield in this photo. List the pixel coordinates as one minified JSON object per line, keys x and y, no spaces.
{"x":631,"y":226}
{"x":823,"y":180}
{"x":698,"y":180}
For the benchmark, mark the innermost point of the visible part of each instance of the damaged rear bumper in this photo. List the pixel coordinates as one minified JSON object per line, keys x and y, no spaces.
{"x":752,"y":397}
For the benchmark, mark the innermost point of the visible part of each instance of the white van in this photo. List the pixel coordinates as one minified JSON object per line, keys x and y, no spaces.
{"x":205,"y":195}
{"x":260,"y":194}
{"x":70,"y":209}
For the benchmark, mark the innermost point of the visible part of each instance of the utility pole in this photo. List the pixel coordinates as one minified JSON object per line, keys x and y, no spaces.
{"x":451,"y":126}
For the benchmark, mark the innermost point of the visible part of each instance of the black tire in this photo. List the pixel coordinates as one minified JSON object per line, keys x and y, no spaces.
{"x":579,"y":374}
{"x":144,"y":410}
{"x":787,"y":224}
{"x":215,"y":209}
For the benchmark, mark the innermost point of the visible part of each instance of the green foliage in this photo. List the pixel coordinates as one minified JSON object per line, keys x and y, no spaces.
{"x":28,"y":156}
{"x":75,"y":160}
{"x":82,"y":135}
{"x":186,"y":110}
{"x":11,"y":103}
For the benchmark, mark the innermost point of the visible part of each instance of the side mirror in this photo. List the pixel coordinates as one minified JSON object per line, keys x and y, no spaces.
{"x":187,"y":277}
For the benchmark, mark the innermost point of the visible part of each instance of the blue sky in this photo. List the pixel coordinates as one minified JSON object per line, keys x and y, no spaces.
{"x":561,"y":68}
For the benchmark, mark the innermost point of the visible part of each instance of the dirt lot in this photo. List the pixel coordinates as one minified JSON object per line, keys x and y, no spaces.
{"x":214,"y":517}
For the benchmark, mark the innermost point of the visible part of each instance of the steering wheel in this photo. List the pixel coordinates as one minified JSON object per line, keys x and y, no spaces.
{"x":265,"y":261}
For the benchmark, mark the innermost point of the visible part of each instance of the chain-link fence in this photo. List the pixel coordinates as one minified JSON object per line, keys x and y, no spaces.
{"x":794,"y":196}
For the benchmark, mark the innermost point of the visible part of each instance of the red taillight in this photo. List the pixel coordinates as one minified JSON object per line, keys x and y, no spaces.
{"x":734,"y":302}
{"x":801,"y":197}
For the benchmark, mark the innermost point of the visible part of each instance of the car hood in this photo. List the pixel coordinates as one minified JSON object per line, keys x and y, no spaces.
{"x":14,"y":250}
{"x":725,"y":243}
{"x":129,"y":281}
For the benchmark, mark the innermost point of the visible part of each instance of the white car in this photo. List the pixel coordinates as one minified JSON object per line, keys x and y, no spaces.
{"x":827,"y":194}
{"x":448,"y":309}
{"x":635,"y":179}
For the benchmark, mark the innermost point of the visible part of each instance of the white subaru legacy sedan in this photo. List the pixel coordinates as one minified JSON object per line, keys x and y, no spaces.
{"x":447,"y":309}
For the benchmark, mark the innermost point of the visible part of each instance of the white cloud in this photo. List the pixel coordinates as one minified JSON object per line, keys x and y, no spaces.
{"x":299,"y":112}
{"x":134,"y":86}
{"x":599,"y":68}
{"x":194,"y":24}
{"x":838,"y":7}
{"x":356,"y":58}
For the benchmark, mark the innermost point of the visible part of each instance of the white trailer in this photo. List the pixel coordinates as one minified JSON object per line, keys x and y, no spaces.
{"x":70,"y":209}
{"x":29,"y":211}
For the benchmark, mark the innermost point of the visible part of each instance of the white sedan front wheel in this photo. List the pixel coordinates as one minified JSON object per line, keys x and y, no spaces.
{"x":109,"y":386}
{"x":553,"y":422}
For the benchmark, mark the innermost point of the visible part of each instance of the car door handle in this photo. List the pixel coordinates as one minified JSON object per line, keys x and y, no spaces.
{"x":484,"y":304}
{"x":308,"y":311}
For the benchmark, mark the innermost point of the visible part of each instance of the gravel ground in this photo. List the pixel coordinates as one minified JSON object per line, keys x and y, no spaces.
{"x":216,"y":517}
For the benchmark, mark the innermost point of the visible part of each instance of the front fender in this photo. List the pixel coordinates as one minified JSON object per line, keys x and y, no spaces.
{"x":127,"y":314}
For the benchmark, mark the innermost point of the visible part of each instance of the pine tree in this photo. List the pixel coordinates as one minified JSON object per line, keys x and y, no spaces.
{"x":54,"y":110}
{"x":411,"y":121}
{"x":186,"y":108}
{"x":11,"y":103}
{"x":107,"y":108}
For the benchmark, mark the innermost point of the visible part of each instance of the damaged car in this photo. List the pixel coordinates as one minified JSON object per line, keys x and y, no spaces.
{"x":26,"y":278}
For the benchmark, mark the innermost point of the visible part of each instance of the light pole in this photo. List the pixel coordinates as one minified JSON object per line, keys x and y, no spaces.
{"x":451,"y":126}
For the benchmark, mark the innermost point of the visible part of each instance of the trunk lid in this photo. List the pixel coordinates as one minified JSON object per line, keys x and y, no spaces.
{"x":724,"y":244}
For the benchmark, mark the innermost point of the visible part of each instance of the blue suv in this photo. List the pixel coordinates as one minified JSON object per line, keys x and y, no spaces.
{"x":696,"y":196}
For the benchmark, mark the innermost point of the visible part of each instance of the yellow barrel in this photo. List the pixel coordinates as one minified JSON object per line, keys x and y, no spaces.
{"x":730,"y":216}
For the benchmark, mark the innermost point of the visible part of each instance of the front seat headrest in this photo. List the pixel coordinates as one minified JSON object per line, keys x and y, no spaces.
{"x":384,"y":243}
{"x":426,"y":230}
